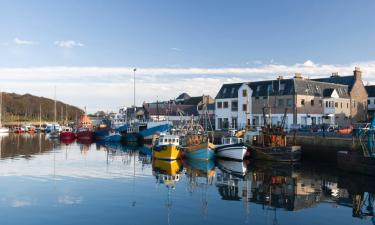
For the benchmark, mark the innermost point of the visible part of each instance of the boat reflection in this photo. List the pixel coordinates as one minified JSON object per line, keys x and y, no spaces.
{"x":167,"y":173}
{"x":237,"y":168}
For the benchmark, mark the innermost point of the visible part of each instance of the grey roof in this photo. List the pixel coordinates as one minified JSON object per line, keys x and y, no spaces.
{"x":345,"y":80}
{"x":183,"y":96}
{"x":228,"y":91}
{"x":316,"y":88}
{"x":193,"y":100}
{"x":293,"y":86}
{"x":370,"y":90}
{"x":298,"y":86}
{"x":272,"y":87}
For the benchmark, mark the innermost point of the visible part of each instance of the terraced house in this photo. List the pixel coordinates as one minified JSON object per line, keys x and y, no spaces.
{"x":337,"y":100}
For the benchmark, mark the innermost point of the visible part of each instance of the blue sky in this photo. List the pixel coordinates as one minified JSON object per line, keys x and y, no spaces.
{"x":115,"y":36}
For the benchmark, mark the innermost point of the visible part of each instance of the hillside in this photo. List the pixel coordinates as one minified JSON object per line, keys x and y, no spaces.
{"x":27,"y":108}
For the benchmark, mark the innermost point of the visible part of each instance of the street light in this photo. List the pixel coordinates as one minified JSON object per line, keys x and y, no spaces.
{"x":134,"y":70}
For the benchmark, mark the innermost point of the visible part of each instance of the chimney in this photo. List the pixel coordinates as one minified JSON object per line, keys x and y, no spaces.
{"x":357,"y":73}
{"x":298,"y":76}
{"x":280,"y":78}
{"x":335,"y":74}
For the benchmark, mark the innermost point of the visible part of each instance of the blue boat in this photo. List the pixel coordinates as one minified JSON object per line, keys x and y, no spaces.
{"x":114,"y":137}
{"x":101,"y":133}
{"x":199,"y":147}
{"x":201,"y":154}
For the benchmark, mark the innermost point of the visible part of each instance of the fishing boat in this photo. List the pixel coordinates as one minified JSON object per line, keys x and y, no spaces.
{"x":231,"y":147}
{"x":360,"y":160}
{"x":101,"y":132}
{"x":167,"y":147}
{"x":2,"y":129}
{"x":67,"y":134}
{"x":198,"y":146}
{"x":84,"y":131}
{"x":18,"y":130}
{"x":271,"y":144}
{"x":114,"y":137}
{"x":55,"y":132}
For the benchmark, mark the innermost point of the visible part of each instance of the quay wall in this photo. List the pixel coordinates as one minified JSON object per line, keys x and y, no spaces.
{"x":324,"y":149}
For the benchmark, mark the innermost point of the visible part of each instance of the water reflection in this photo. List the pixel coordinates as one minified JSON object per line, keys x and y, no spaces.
{"x":122,"y":178}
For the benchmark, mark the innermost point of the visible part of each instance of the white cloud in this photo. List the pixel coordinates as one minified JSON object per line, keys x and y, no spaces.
{"x":70,"y":200}
{"x":176,"y":49}
{"x":16,"y":203}
{"x":18,"y":41}
{"x":69,"y":44}
{"x":110,"y":87}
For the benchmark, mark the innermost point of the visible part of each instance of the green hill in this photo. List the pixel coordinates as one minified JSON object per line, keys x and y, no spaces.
{"x":27,"y":108}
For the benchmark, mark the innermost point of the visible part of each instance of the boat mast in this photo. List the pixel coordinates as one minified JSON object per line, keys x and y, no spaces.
{"x":55,"y":106}
{"x":135,"y":108}
{"x":40,"y":115}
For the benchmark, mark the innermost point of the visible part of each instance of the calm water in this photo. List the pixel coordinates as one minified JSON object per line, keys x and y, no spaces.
{"x":44,"y":182}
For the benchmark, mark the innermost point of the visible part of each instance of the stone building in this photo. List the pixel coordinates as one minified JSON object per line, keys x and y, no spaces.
{"x":336,"y":100}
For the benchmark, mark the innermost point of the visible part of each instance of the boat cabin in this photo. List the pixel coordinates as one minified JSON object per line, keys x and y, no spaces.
{"x":231,"y":140}
{"x":168,"y":140}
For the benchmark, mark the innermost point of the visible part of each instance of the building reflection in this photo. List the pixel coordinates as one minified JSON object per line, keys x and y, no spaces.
{"x":285,"y":187}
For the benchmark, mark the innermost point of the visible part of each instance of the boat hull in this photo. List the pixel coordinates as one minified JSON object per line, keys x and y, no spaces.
{"x":85,"y":135}
{"x":4,"y":130}
{"x":277,"y":154}
{"x":114,"y":138}
{"x":231,"y":151}
{"x":166,"y":152}
{"x":355,"y":162}
{"x":204,"y":151}
{"x":101,"y":134}
{"x":67,"y":135}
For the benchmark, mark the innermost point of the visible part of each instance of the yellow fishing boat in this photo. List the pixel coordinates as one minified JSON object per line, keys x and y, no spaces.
{"x":167,"y":147}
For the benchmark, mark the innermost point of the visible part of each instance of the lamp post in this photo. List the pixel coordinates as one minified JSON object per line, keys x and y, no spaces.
{"x":134,"y":70}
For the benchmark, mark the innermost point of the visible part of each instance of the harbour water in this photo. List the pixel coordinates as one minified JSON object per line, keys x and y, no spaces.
{"x":48,"y":182}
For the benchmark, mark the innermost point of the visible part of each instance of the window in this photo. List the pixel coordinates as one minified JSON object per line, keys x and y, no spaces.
{"x":264,"y":97}
{"x":336,"y":104}
{"x":326,"y":104}
{"x":269,"y":88}
{"x":341,"y":104}
{"x":219,"y":123}
{"x":280,"y":102}
{"x":234,"y":122}
{"x":256,"y":97}
{"x":374,"y":101}
{"x":312,"y":102}
{"x":226,"y":123}
{"x":226,"y":105}
{"x":302,"y":101}
{"x":321,"y":103}
{"x":289,"y":102}
{"x":282,"y":87}
{"x":244,"y":107}
{"x":224,"y":91}
{"x":219,"y":105}
{"x":234,"y":106}
{"x":232,"y":91}
{"x":347,"y":105}
{"x":244,"y":93}
{"x":258,"y":88}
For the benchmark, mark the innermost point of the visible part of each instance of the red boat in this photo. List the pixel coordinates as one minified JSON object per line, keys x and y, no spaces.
{"x":18,"y":130}
{"x":85,"y":129}
{"x":67,"y":134}
{"x":84,"y":133}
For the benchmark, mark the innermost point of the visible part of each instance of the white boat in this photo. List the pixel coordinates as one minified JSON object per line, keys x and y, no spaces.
{"x":4,"y":130}
{"x":232,"y":148}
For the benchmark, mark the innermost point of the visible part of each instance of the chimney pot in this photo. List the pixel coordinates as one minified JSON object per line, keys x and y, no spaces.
{"x":357,"y":73}
{"x":298,"y":75}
